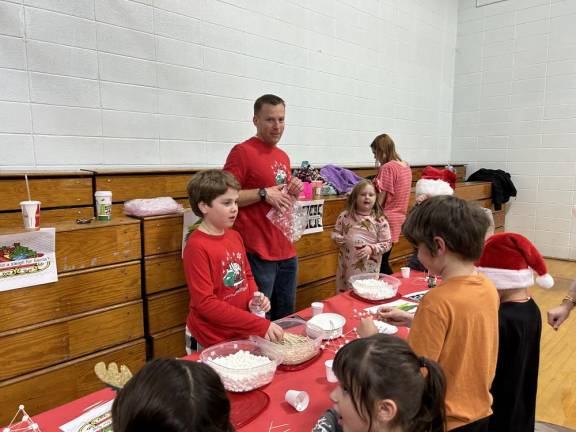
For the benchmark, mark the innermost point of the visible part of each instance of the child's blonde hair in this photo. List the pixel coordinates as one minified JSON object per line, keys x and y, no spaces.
{"x":353,"y":197}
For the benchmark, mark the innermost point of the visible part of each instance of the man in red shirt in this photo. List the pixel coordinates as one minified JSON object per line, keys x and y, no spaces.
{"x":263,"y":171}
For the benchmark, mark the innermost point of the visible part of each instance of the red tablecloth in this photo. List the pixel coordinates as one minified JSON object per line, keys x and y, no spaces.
{"x":311,"y":379}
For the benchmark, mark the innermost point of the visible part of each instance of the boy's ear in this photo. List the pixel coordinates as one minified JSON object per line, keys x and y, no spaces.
{"x":203,"y":207}
{"x":386,"y":410}
{"x":440,"y":246}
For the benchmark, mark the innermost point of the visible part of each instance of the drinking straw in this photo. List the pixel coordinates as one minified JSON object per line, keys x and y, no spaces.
{"x":27,"y":187}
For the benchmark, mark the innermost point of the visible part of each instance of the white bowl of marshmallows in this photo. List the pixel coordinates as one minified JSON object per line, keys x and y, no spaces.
{"x":374,"y":286}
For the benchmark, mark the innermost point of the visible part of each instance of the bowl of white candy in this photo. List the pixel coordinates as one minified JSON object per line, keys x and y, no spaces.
{"x":374,"y":286}
{"x":242,"y":364}
{"x":325,"y":325}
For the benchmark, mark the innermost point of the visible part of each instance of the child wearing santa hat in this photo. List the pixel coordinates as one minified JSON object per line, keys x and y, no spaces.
{"x":509,"y":260}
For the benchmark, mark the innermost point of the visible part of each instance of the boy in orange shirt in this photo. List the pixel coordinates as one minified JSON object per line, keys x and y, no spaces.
{"x":456,"y":323}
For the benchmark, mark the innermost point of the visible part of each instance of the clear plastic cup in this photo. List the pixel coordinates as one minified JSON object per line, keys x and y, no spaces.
{"x":31,"y":214}
{"x":298,"y":399}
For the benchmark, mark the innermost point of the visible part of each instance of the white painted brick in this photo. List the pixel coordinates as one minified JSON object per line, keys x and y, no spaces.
{"x":13,"y":53}
{"x":226,"y":15}
{"x":127,"y":42}
{"x":499,"y":21}
{"x":226,"y":85}
{"x":126,"y":70}
{"x":216,"y":153}
{"x":556,"y":183}
{"x":561,"y":126}
{"x":493,"y":142}
{"x":227,"y":131}
{"x":530,"y":72}
{"x":58,"y":150}
{"x":559,"y":141}
{"x":559,"y":111}
{"x":17,"y":150}
{"x":554,"y":211}
{"x":183,"y":152}
{"x":63,"y":29}
{"x":496,"y":89}
{"x":561,"y":82}
{"x":566,"y":96}
{"x":498,"y":48}
{"x":14,"y":85}
{"x":526,"y":182}
{"x":193,"y":9}
{"x":129,"y":124}
{"x":526,"y":58}
{"x":129,"y":97}
{"x":181,"y":103}
{"x":494,"y":76}
{"x":562,"y":67}
{"x":56,"y":120}
{"x":533,"y":28}
{"x":528,"y":86}
{"x":58,"y":90}
{"x":62,"y":60}
{"x":178,"y":27}
{"x":563,"y":8}
{"x":130,"y":151}
{"x":497,"y":63}
{"x":79,"y":8}
{"x":179,"y":53}
{"x":499,"y":34}
{"x":562,"y":51}
{"x":15,"y":117}
{"x":532,"y":14}
{"x":527,"y":99}
{"x":562,"y":30}
{"x":552,"y":238}
{"x":180,"y":78}
{"x":11,"y":19}
{"x":216,"y":36}
{"x":494,"y":102}
{"x":182,"y":128}
{"x":125,"y":13}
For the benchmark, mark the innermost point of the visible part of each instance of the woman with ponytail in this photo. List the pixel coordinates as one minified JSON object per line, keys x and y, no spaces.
{"x":384,"y":387}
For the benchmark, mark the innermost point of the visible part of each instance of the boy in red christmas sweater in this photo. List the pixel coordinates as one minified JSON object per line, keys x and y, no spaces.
{"x":219,"y":278}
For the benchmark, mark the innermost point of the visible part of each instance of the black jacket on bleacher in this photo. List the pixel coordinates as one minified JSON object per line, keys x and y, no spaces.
{"x":502,"y":186}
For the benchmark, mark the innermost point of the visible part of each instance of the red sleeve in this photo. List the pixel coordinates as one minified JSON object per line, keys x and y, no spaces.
{"x":384,"y":181}
{"x":236,"y":165}
{"x":208,"y":306}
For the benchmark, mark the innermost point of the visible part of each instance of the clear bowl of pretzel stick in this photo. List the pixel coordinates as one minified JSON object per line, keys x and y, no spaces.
{"x":296,"y":347}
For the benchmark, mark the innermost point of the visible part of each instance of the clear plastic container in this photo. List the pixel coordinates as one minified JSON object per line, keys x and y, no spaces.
{"x":325,"y":326}
{"x":297,"y":347}
{"x":240,"y":377}
{"x":383,"y":287}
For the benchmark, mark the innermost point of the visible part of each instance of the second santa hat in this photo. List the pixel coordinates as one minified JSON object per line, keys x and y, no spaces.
{"x":434,"y":182}
{"x":509,"y":260}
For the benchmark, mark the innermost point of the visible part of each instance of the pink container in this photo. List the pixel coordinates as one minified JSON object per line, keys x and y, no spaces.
{"x":307,"y":190}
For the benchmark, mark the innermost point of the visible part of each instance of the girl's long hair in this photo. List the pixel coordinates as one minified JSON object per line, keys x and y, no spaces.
{"x":384,"y":149}
{"x":353,"y":197}
{"x":385,"y":367}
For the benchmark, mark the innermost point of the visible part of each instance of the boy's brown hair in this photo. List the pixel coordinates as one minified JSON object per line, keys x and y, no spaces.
{"x":205,"y":186}
{"x":353,"y":197}
{"x":461,"y":224}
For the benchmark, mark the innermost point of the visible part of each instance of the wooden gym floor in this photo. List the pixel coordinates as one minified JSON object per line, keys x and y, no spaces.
{"x":557,"y":378}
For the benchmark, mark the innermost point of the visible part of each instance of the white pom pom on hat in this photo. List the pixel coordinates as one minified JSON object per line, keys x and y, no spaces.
{"x":509,"y":260}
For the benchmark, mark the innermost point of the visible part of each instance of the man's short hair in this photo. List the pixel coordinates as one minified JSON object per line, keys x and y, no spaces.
{"x":269,"y":99}
{"x":205,"y":186}
{"x":460,"y":223}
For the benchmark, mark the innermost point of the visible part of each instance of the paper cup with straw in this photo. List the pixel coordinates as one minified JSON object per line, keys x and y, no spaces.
{"x":30,"y":210}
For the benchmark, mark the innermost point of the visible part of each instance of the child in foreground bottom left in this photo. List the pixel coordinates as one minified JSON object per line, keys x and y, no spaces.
{"x":384,"y":386}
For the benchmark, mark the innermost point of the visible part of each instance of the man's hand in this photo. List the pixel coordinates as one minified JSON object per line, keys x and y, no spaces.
{"x":278,"y":199}
{"x":295,"y":186}
{"x":395,"y":316}
{"x":558,"y":315}
{"x":367,"y":327}
{"x":275,"y":333}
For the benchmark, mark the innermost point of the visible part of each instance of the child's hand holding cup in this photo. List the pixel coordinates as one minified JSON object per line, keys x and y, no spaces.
{"x":31,"y":214}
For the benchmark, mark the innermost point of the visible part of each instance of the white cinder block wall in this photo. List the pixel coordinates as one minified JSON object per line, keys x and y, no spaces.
{"x":121,"y":83}
{"x":515,"y":109}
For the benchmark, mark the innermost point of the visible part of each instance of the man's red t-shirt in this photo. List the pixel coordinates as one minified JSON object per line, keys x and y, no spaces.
{"x":255,"y":165}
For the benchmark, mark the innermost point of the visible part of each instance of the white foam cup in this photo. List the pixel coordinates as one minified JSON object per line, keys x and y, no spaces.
{"x":31,"y":214}
{"x":405,"y":272}
{"x":298,"y":399}
{"x":317,"y":308}
{"x":330,"y":375}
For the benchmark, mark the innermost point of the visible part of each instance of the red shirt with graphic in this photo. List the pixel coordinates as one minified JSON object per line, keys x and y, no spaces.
{"x":220,"y":284}
{"x":259,"y":165}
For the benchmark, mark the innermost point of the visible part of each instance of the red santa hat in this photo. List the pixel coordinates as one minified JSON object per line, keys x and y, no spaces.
{"x":434,"y":182}
{"x":509,"y":260}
